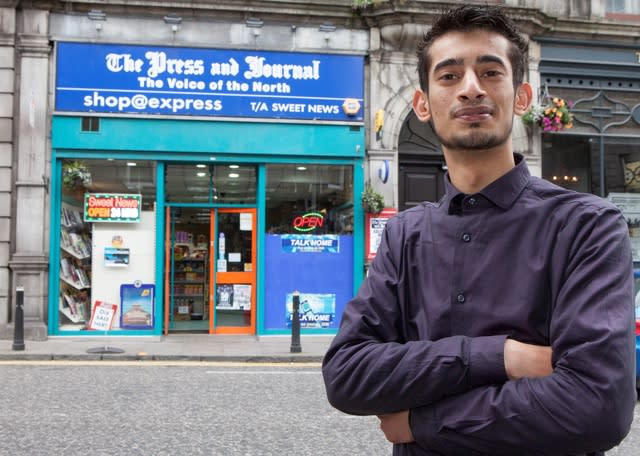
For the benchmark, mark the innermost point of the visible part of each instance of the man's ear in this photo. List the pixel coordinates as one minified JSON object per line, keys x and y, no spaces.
{"x":421,"y":106}
{"x":524,"y":96}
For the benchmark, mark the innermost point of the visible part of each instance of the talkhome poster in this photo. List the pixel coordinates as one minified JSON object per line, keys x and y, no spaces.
{"x":315,"y":310}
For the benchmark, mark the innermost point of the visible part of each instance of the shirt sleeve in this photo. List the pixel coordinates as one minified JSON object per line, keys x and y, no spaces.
{"x":370,"y":368}
{"x":587,"y":403}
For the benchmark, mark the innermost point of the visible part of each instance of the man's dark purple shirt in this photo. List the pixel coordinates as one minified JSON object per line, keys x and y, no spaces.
{"x":522,"y":259}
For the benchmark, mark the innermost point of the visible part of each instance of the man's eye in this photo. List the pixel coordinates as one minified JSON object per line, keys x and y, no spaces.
{"x":448,"y":76}
{"x":492,"y":73}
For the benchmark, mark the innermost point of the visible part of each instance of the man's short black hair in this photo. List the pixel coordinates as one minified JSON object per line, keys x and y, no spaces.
{"x":467,"y":18}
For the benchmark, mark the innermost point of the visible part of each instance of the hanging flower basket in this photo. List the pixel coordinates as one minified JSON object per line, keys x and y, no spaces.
{"x":554,"y":116}
{"x":75,"y":175}
{"x":372,"y":201}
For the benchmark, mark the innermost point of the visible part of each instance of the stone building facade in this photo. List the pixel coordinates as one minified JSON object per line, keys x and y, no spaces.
{"x":401,"y":156}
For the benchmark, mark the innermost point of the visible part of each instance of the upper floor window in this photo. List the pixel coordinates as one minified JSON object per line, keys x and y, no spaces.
{"x":623,"y":6}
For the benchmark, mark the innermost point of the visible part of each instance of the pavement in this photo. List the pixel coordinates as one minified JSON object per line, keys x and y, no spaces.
{"x":174,"y":347}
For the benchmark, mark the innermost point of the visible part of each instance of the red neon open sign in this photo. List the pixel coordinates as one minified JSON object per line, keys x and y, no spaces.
{"x":308,"y":222}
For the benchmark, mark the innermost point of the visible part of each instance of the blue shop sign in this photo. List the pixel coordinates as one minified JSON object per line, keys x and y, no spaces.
{"x":126,"y":79}
{"x":310,"y":243}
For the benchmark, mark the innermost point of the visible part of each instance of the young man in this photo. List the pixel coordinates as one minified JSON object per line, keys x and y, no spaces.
{"x":498,"y":321}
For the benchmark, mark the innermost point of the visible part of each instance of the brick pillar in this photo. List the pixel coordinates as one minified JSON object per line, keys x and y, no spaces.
{"x":29,"y":259}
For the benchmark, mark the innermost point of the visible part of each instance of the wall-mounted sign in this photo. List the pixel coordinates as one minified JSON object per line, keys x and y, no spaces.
{"x":351,"y":107}
{"x":116,"y":257}
{"x":112,"y":207}
{"x":308,"y":222}
{"x":374,"y":227}
{"x":310,"y":243}
{"x":180,"y":81}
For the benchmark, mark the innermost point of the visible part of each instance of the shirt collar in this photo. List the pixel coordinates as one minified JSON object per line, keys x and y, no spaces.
{"x":503,"y":191}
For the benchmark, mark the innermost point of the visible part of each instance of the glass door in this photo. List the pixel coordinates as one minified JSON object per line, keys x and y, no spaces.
{"x":187,"y":274}
{"x":233,"y":271}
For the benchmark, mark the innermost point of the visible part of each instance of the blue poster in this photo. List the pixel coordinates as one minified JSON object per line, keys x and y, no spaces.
{"x":136,"y":304}
{"x":127,"y":79}
{"x":310,"y":243}
{"x":315,"y":310}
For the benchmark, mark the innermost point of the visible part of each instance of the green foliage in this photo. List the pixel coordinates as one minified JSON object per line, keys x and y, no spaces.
{"x":372,"y":201}
{"x":75,"y":175}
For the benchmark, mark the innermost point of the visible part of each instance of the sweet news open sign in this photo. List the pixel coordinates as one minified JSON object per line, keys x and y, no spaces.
{"x":112,"y":207}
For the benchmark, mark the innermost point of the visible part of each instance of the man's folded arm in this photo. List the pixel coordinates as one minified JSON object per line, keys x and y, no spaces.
{"x":370,"y":369}
{"x":587,"y":403}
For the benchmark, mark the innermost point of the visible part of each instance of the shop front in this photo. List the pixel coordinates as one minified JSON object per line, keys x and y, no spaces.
{"x":600,"y":153}
{"x":197,"y":189}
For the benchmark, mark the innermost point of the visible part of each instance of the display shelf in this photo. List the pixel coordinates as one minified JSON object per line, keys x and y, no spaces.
{"x":72,"y":307}
{"x":73,"y":318}
{"x":74,"y":254}
{"x":189,"y":292}
{"x":75,"y":267}
{"x":75,"y":285}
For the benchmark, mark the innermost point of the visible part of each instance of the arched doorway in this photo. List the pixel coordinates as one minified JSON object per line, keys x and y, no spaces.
{"x":421,"y":165}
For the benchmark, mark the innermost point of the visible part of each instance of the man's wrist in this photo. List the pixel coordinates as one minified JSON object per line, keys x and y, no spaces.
{"x":486,"y":360}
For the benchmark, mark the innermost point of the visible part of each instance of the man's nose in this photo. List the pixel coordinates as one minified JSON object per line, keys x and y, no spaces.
{"x":471,"y":88}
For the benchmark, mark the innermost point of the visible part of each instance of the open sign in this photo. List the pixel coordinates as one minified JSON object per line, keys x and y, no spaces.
{"x":308,"y":222}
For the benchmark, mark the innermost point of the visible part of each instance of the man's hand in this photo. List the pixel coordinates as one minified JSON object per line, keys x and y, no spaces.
{"x":526,"y":360}
{"x":396,"y":427}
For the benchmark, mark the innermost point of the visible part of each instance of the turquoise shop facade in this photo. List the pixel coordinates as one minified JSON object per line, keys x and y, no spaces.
{"x":239,"y":133}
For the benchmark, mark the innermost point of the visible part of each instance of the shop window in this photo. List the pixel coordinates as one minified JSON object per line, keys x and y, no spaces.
{"x":107,"y":245}
{"x":566,"y":161}
{"x":574,"y":162}
{"x":309,"y":245}
{"x":206,"y":183}
{"x":309,"y":199}
{"x":623,"y":6}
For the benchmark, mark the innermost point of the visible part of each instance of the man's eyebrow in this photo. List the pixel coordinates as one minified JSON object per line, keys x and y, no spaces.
{"x":490,"y":59}
{"x":448,"y":62}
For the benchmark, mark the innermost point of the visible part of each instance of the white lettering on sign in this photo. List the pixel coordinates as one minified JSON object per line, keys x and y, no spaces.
{"x":123,"y":62}
{"x":229,"y":68}
{"x":311,"y":242}
{"x":323,"y":109}
{"x":280,"y":87}
{"x":287,"y":107}
{"x":185,"y":83}
{"x":159,"y":63}
{"x":259,"y":69}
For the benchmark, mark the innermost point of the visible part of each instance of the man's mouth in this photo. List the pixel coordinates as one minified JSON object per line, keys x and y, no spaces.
{"x":473,"y":114}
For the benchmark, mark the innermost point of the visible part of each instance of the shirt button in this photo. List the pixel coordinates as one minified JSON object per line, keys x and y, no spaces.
{"x":460,"y":298}
{"x":471,"y":202}
{"x":466,"y":237}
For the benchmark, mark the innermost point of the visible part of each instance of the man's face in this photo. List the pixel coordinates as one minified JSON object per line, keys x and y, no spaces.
{"x":471,"y":96}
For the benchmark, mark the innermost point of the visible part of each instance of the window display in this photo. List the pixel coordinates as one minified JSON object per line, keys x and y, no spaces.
{"x":107,"y":239}
{"x":308,"y":244}
{"x":75,"y":263}
{"x":309,"y":199}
